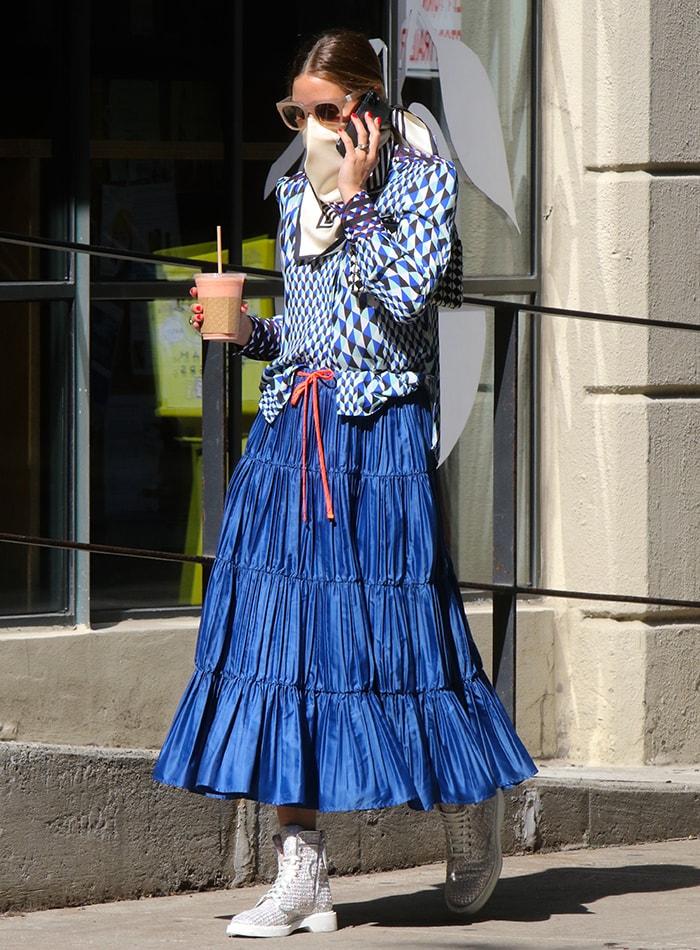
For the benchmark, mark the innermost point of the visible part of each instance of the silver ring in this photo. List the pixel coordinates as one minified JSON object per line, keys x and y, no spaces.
{"x":362,"y":147}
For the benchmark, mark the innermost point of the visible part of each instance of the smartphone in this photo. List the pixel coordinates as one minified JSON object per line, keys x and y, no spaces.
{"x":372,"y":103}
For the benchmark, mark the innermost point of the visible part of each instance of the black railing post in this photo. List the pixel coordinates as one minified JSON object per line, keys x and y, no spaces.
{"x":240,"y":81}
{"x":214,"y":446}
{"x":505,"y":455}
{"x":221,"y":372}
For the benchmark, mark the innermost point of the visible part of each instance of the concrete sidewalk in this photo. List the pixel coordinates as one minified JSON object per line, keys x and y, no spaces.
{"x":644,"y":897}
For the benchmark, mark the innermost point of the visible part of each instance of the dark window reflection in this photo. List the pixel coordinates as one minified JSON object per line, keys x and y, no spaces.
{"x":34,"y":391}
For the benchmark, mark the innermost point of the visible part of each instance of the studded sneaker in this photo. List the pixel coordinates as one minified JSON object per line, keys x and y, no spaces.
{"x":300,"y":898}
{"x":474,"y":856}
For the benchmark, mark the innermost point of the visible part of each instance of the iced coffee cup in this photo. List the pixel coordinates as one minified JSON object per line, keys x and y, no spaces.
{"x":221,"y":296}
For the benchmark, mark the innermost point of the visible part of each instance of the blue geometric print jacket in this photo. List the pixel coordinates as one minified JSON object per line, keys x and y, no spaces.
{"x":365,"y":310}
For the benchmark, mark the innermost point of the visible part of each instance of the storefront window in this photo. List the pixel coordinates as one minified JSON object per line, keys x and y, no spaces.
{"x":128,"y":140}
{"x":500,"y":33}
{"x":498,"y":38}
{"x":496,"y":244}
{"x":34,"y":473}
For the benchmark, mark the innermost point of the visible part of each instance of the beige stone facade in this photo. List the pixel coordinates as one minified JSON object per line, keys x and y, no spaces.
{"x":620,"y":414}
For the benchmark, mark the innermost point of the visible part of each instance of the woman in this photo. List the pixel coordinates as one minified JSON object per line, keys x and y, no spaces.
{"x":335,"y":670}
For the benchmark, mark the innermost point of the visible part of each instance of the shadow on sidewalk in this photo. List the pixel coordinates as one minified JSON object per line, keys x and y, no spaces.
{"x":527,"y":897}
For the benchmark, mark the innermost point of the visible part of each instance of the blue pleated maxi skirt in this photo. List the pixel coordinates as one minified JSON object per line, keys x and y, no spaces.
{"x":334,"y":666}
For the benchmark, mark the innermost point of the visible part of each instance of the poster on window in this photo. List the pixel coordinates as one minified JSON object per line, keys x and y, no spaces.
{"x":443,"y":17}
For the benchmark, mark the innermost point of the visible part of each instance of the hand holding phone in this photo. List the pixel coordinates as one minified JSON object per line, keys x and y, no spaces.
{"x":376,"y":106}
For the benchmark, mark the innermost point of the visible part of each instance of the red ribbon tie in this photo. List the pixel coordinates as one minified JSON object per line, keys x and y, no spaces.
{"x":309,"y":381}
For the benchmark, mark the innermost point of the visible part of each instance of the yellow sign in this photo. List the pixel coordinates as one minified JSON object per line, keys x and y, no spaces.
{"x":177,"y":346}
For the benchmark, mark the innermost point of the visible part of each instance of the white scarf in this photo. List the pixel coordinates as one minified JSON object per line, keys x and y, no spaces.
{"x":320,"y":230}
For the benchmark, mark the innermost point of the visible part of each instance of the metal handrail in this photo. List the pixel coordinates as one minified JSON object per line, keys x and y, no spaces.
{"x":504,"y":588}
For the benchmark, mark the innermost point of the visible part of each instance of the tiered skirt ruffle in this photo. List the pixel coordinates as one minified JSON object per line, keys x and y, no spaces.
{"x":334,"y":666}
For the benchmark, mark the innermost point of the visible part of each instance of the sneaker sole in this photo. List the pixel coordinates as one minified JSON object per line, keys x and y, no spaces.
{"x":490,"y":887}
{"x":315,"y":923}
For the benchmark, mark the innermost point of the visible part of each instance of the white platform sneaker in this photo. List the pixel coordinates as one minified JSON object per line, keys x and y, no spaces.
{"x":300,"y":898}
{"x":474,"y":856}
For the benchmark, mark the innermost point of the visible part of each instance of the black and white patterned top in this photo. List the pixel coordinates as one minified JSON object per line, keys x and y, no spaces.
{"x":364,"y":310}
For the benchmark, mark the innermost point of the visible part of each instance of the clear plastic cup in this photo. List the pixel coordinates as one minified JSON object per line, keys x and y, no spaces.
{"x":221,"y":296}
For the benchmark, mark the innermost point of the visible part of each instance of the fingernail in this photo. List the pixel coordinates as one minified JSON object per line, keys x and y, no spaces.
{"x":369,"y":114}
{"x":354,"y":115}
{"x":379,"y":121}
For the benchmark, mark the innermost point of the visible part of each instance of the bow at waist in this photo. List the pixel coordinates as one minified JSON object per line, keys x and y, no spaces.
{"x":309,"y":382}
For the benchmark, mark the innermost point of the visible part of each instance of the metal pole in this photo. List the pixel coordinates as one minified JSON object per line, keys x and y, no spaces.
{"x":236,"y":79}
{"x":505,"y":454}
{"x":221,"y":377}
{"x":80,"y":144}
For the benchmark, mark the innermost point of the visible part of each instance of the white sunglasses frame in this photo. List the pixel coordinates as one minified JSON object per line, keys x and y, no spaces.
{"x":309,"y":108}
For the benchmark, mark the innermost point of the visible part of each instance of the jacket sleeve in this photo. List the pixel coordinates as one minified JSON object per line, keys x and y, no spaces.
{"x":264,"y":342}
{"x":400,"y":260}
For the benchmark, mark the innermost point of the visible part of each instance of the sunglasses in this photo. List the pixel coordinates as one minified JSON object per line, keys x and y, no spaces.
{"x":328,"y":112}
